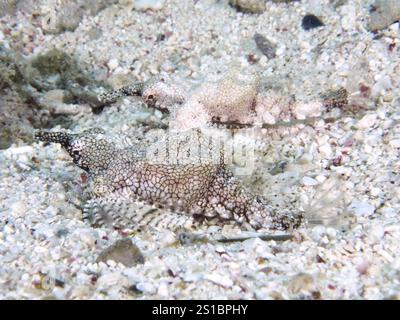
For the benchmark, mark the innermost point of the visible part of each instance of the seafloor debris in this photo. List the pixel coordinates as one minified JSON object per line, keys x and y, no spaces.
{"x":192,"y":192}
{"x":35,"y":76}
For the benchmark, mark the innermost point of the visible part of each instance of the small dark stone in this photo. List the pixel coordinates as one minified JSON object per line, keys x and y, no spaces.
{"x":171,"y":273}
{"x":59,"y":283}
{"x":310,"y":22}
{"x":97,"y":109}
{"x":160,"y":37}
{"x":134,"y":289}
{"x":265,"y":46}
{"x":316,"y":295}
{"x":278,"y":168}
{"x":61,"y":232}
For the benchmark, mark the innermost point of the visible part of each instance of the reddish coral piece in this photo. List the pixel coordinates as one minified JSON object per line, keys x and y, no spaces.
{"x":365,"y":90}
{"x":84,"y":177}
{"x":337,"y":161}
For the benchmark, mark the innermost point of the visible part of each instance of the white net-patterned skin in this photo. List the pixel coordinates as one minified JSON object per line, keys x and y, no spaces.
{"x":234,"y":101}
{"x":188,"y":192}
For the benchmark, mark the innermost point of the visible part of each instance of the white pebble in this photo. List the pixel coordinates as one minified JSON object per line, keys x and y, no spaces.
{"x":317,"y":233}
{"x":331,"y":232}
{"x":163,"y":290}
{"x":87,"y":238}
{"x":395,"y":143}
{"x":111,"y":263}
{"x":7,"y":229}
{"x":375,"y":191}
{"x":40,"y":249}
{"x":146,"y":287}
{"x":362,"y":208}
{"x":320,"y":178}
{"x":307,"y":181}
{"x":306,"y":110}
{"x":21,"y":150}
{"x":366,"y":122}
{"x":376,"y":233}
{"x":220,"y":249}
{"x":113,"y":64}
{"x":143,"y":5}
{"x":386,"y":255}
{"x":110,"y":280}
{"x":18,"y":209}
{"x":219,"y":279}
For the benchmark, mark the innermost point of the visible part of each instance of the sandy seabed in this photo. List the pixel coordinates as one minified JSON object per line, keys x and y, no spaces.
{"x":344,"y":172}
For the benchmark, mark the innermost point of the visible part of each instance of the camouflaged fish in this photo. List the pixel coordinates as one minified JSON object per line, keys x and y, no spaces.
{"x":188,"y":193}
{"x":235,"y":100}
